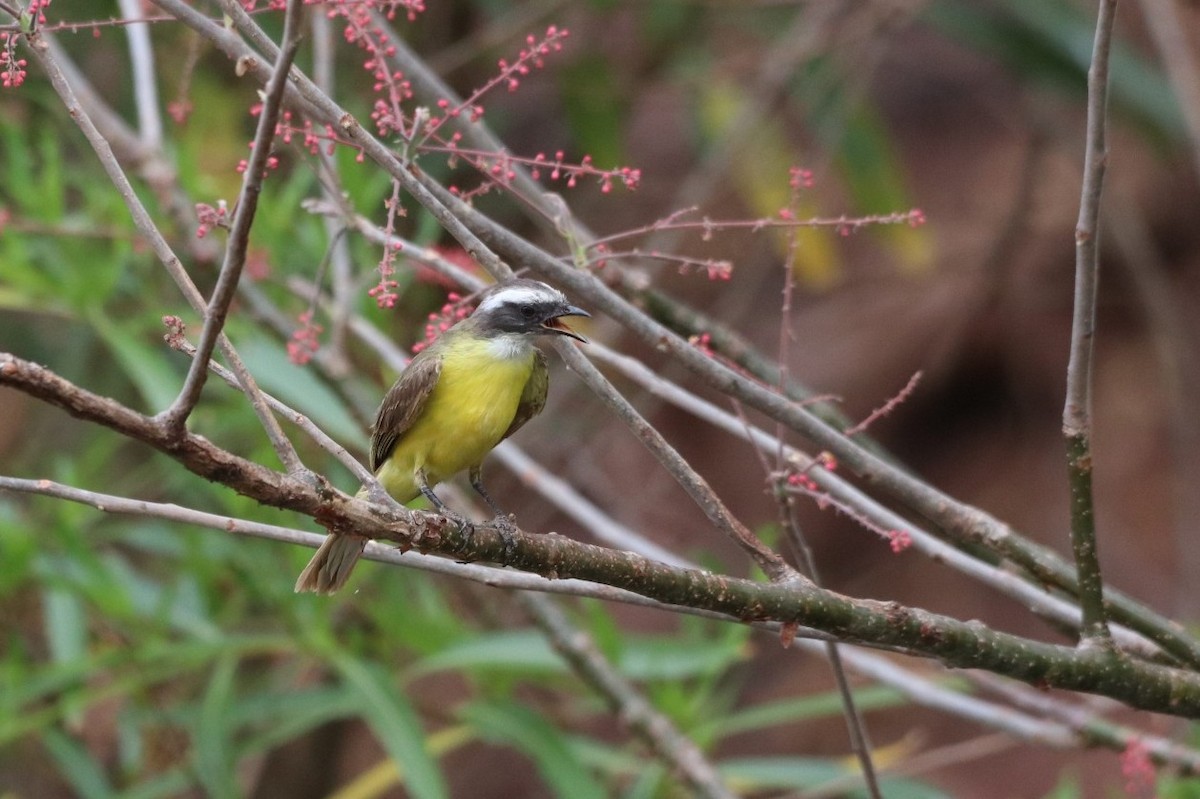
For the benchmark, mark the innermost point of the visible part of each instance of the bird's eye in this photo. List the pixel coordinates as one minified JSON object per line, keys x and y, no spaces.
{"x":527,"y":311}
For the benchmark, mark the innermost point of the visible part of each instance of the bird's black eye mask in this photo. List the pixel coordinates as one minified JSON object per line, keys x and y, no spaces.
{"x":533,"y":317}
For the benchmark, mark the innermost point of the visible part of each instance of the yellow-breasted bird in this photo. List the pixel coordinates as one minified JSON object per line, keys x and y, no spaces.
{"x":473,"y":387}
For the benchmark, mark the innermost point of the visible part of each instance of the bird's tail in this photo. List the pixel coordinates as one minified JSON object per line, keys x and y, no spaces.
{"x":330,"y":568}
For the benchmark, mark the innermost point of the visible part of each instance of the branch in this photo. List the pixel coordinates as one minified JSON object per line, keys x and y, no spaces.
{"x":965,"y":525}
{"x":1077,"y":411}
{"x":145,"y":90}
{"x":887,"y":624}
{"x":962,"y":523}
{"x":860,"y":741}
{"x":838,"y":489}
{"x":40,"y":47}
{"x":176,"y":416}
{"x":580,"y":652}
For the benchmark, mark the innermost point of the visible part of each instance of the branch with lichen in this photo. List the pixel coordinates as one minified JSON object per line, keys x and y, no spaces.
{"x":956,"y":643}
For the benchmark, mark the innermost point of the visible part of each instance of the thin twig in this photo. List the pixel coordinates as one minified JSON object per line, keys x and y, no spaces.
{"x":319,"y":436}
{"x":236,"y":247}
{"x":660,"y":734}
{"x":958,"y":521}
{"x":1077,"y":411}
{"x":141,"y":67}
{"x":41,"y":47}
{"x":688,"y":478}
{"x":860,"y":741}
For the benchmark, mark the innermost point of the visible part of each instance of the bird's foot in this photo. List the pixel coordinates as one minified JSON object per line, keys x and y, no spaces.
{"x":465,"y":525}
{"x":508,"y":533}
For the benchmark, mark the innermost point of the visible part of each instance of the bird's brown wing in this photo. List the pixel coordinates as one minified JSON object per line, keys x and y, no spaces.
{"x":403,"y":404}
{"x":533,"y":398}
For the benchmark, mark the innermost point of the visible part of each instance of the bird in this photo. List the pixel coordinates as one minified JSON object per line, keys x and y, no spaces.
{"x":474,"y":386}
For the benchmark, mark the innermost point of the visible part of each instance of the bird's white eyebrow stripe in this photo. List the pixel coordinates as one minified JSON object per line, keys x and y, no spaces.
{"x":517,"y":295}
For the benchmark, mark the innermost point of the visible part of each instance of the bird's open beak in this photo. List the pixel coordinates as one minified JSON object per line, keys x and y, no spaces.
{"x":555,"y":324}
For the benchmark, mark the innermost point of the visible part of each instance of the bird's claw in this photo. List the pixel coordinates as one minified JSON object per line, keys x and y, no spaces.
{"x":467,"y":528}
{"x":508,"y":533}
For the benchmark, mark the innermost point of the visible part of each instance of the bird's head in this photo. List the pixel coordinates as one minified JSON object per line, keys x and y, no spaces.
{"x":527,"y":307}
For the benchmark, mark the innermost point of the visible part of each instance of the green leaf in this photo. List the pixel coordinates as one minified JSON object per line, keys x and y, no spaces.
{"x":66,"y":625}
{"x":510,"y":724}
{"x":285,"y":716}
{"x":76,"y":765}
{"x":214,"y":760}
{"x":806,"y":708}
{"x":299,"y":387}
{"x":667,"y":658}
{"x":806,"y":773}
{"x":396,"y":725}
{"x":524,"y":651}
{"x":153,"y":376}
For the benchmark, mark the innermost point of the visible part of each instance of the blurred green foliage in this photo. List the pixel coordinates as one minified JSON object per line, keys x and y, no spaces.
{"x":189,"y":644}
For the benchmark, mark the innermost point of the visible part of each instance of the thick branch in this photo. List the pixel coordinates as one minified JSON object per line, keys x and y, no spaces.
{"x":962,"y":523}
{"x":955,"y":643}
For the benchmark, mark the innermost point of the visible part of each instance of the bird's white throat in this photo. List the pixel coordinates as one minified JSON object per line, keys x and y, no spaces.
{"x":509,"y":346}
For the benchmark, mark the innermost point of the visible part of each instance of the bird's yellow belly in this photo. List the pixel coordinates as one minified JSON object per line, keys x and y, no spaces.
{"x":467,"y":414}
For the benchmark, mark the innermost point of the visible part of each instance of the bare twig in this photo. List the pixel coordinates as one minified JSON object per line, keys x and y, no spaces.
{"x":887,"y":407}
{"x":41,"y":47}
{"x":176,"y":416}
{"x":145,"y":90}
{"x":958,"y":521}
{"x":860,"y":741}
{"x":673,"y":747}
{"x":1077,"y":412}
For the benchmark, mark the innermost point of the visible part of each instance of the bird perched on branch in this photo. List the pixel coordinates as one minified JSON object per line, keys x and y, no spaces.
{"x":473,"y":387}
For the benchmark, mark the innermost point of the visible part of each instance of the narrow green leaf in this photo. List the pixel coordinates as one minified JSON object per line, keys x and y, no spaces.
{"x":76,"y":765}
{"x":298,"y":387}
{"x":524,"y":651}
{"x":214,"y":759}
{"x":153,"y":376}
{"x":804,"y":773}
{"x":395,"y":723}
{"x":510,"y":724}
{"x":665,"y":658}
{"x":66,"y":625}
